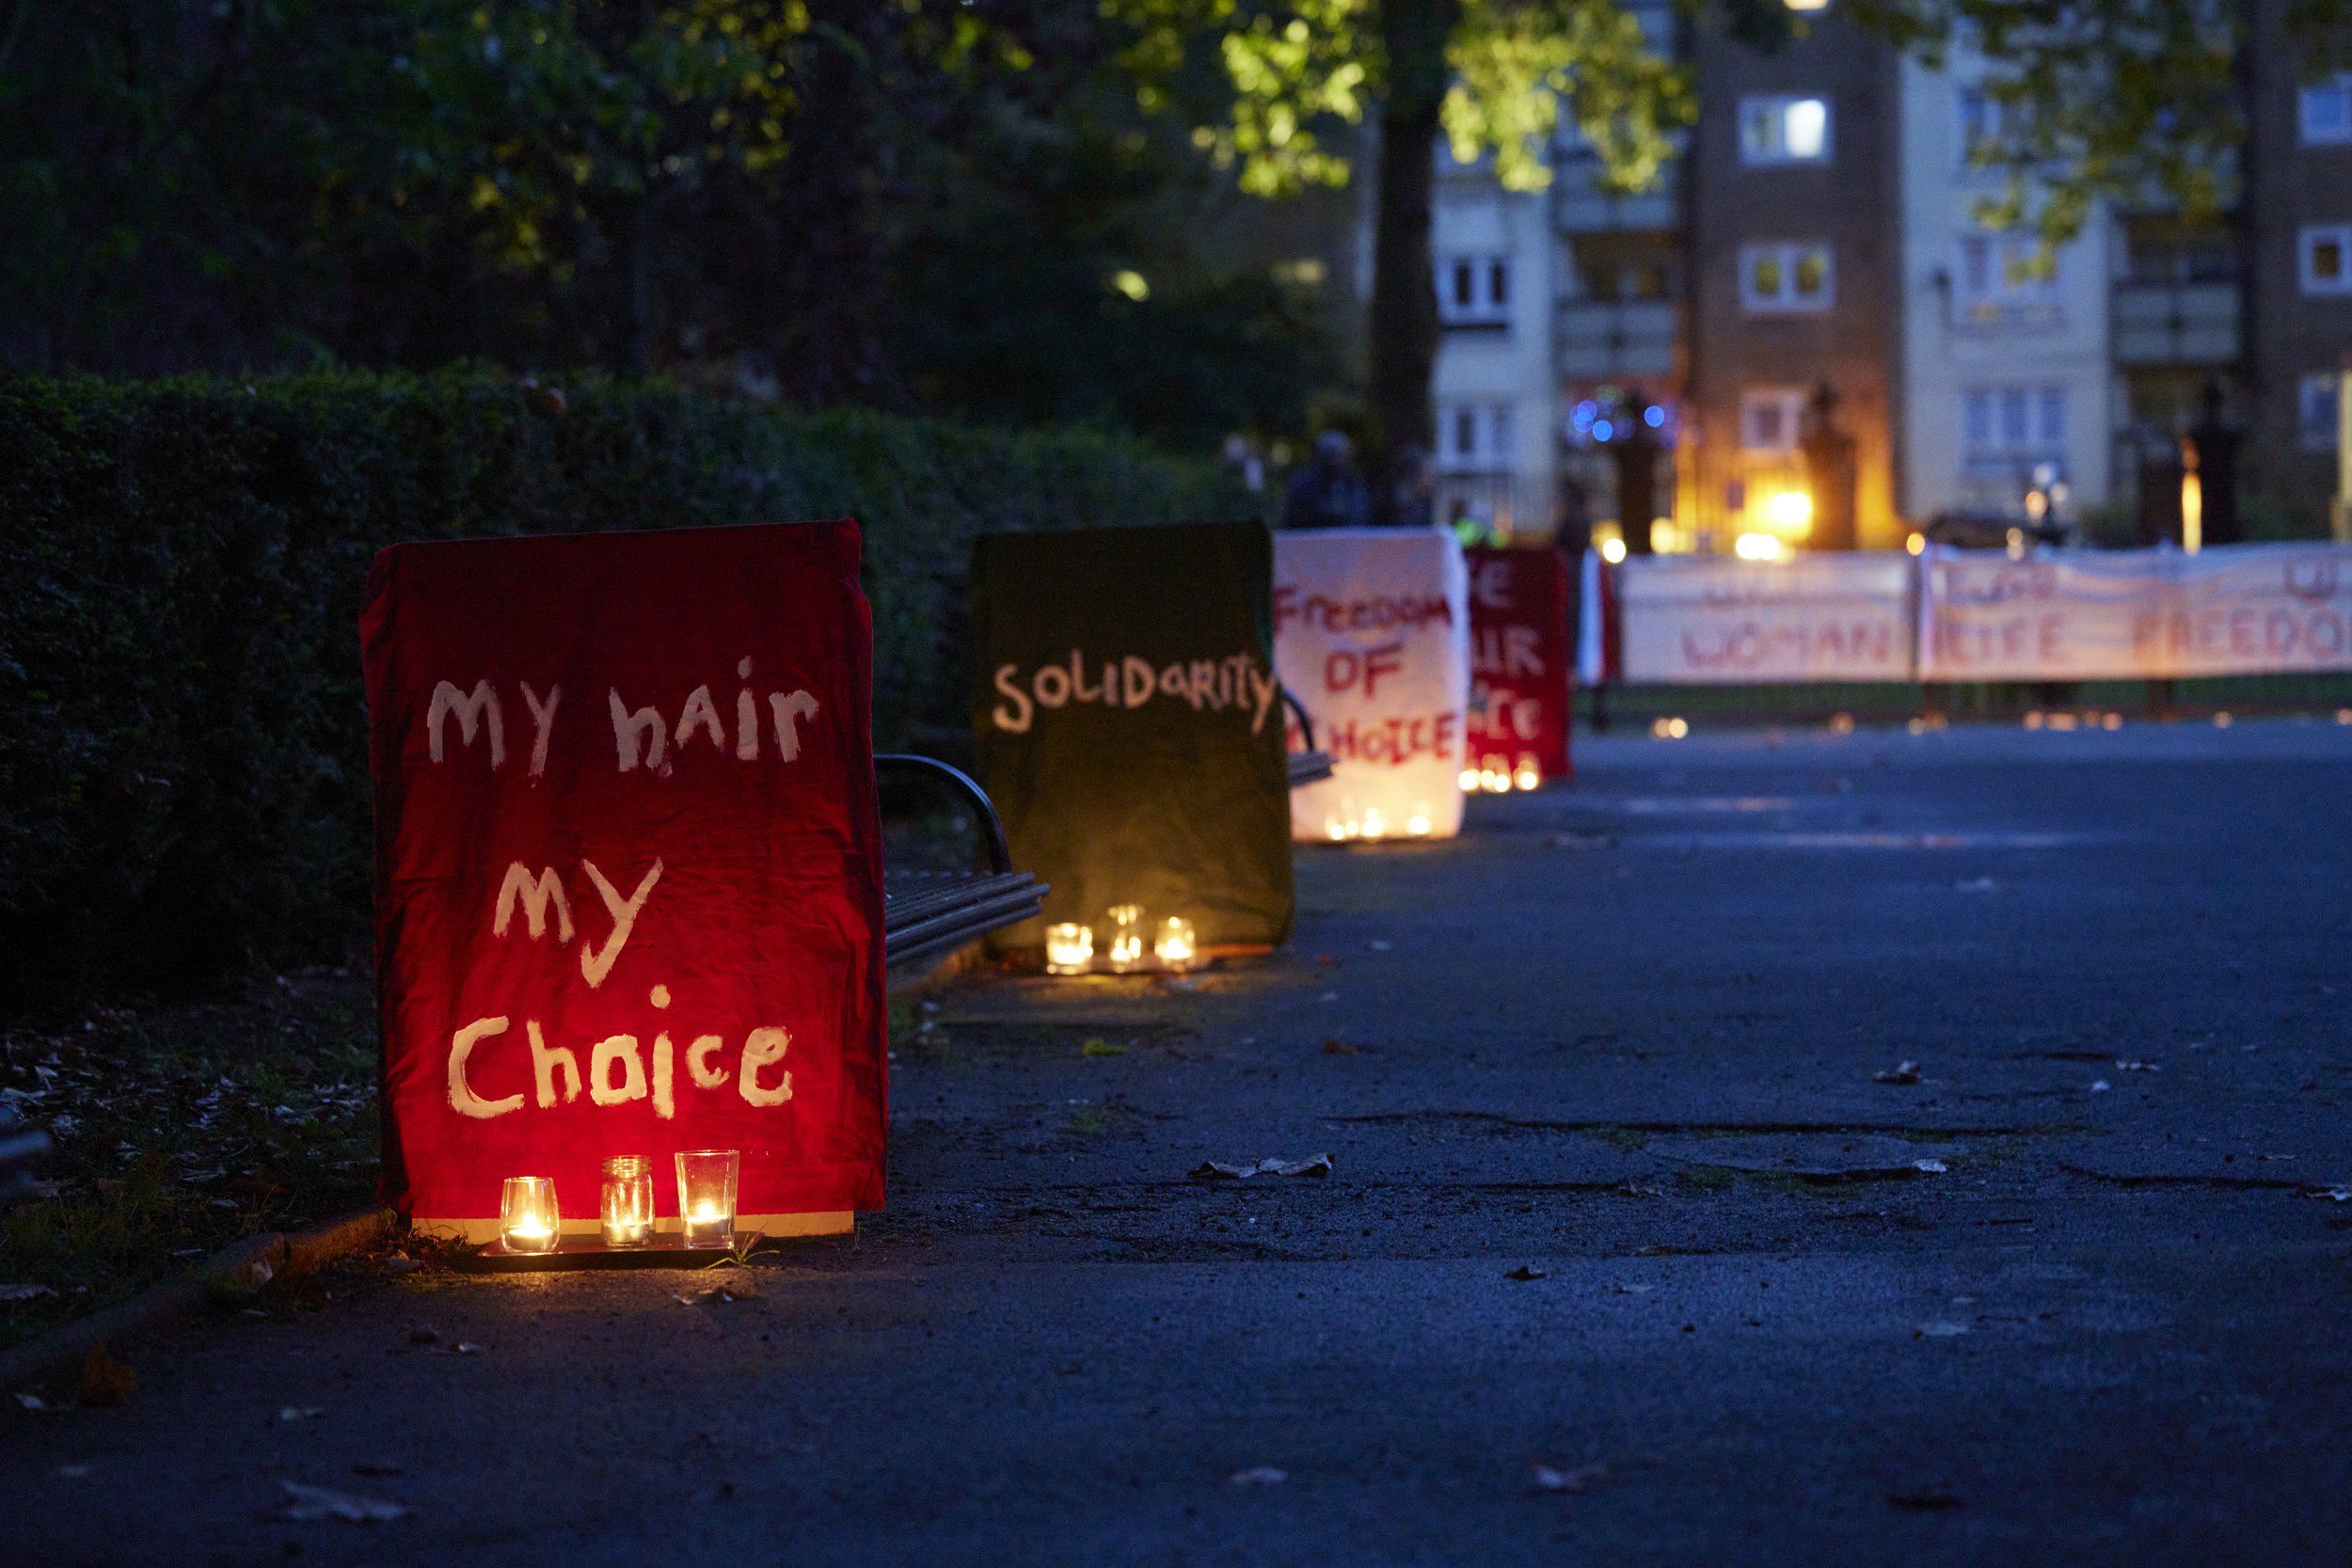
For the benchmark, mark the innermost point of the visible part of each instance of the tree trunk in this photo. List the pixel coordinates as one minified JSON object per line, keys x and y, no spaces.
{"x":1404,"y":286}
{"x":832,"y":304}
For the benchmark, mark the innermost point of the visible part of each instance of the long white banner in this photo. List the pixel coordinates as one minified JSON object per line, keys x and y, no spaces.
{"x":1715,"y":620}
{"x":1372,"y":633}
{"x":2234,"y":610}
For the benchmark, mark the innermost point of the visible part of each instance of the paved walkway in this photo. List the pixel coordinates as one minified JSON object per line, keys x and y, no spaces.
{"x":2077,"y":1294}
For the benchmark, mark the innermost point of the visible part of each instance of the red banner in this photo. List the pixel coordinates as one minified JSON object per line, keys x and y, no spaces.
{"x":628,"y":866}
{"x":1519,"y":662}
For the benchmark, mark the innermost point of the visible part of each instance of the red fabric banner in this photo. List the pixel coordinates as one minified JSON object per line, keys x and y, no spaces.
{"x":1520,"y":661}
{"x":628,"y":865}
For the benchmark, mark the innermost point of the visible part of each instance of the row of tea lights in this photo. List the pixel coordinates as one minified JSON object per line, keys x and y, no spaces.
{"x":528,"y":1222}
{"x":1495,"y":776}
{"x":1070,"y":945}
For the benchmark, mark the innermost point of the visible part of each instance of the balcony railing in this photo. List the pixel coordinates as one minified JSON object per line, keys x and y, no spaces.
{"x":2175,"y":324}
{"x":1582,"y":206}
{"x":1606,"y":340}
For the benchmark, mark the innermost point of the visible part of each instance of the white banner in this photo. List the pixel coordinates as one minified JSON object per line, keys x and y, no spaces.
{"x":1372,"y":633}
{"x":2234,"y":610}
{"x":1691,"y":620}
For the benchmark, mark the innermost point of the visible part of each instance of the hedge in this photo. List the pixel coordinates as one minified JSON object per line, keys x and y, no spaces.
{"x":183,"y":788}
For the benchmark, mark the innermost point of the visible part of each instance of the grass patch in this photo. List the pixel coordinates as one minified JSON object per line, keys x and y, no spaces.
{"x":179,"y":1129}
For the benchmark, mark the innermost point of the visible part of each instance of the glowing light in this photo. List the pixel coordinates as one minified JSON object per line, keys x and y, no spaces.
{"x":1653,"y":415}
{"x":2111,"y":722}
{"x":705,"y":1196}
{"x":1805,"y":128}
{"x":1126,"y":937}
{"x":1602,"y":430}
{"x":2344,"y":716}
{"x":1374,"y":824}
{"x":1131,"y":283}
{"x":2033,"y":720}
{"x":1468,"y":781}
{"x":1174,"y":946}
{"x":1916,"y":543}
{"x":627,"y":1212}
{"x":526,"y":1218}
{"x":1791,"y":510}
{"x":2192,"y":512}
{"x":2222,"y":720}
{"x":1069,"y":948}
{"x":1758,"y":547}
{"x":2059,"y":722}
{"x":1527,"y":775}
{"x":1669,"y":729}
{"x":1335,"y":829}
{"x":1418,"y":824}
{"x":1612,"y":550}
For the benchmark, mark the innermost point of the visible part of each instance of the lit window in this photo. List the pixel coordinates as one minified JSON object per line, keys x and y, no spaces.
{"x":1770,"y":417}
{"x":2327,"y":113}
{"x":2328,"y":259}
{"x":1784,"y":130}
{"x":1474,"y":291}
{"x":1787,"y":277}
{"x":2315,"y":410}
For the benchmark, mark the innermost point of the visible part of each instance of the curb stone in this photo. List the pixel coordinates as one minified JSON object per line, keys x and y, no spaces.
{"x":241,"y":1267}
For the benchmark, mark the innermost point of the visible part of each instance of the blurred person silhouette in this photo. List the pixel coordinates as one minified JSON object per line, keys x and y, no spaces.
{"x":1410,"y":497}
{"x":1327,"y":494}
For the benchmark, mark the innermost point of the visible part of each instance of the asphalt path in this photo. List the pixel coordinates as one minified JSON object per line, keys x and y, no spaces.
{"x":1627,"y":1254}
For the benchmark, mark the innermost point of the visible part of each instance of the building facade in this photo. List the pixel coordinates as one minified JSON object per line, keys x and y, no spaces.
{"x":1845,"y":353}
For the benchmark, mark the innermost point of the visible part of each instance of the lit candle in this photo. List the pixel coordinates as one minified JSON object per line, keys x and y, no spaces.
{"x":1470,"y":780}
{"x":1069,"y":948}
{"x":1175,"y":947}
{"x":527,"y":1217}
{"x":1418,"y":824}
{"x":1528,"y":774}
{"x":705,"y":1196}
{"x":1374,"y":825}
{"x":628,"y":1207}
{"x":1127,"y":936}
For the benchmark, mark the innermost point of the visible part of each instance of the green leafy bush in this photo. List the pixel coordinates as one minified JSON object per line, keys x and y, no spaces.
{"x":183,"y":785}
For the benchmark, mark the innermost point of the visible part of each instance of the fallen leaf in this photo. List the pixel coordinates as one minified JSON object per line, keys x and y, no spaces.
{"x":1379,"y":946}
{"x":25,"y":1292}
{"x":1339,"y":1047}
{"x":312,"y":1503}
{"x":301,"y":1412}
{"x":1218,"y":1170}
{"x":1258,"y":1475}
{"x":1582,"y":1479}
{"x":1938,"y":1331}
{"x":2336,"y":1195}
{"x":1635,"y":1289}
{"x":1528,"y":1271}
{"x":32,"y":1402}
{"x":2123,"y":1066}
{"x":104,"y":1380}
{"x":464,"y":1348}
{"x":76,"y":1472}
{"x":1906,"y":1072}
{"x":2099,"y":1085}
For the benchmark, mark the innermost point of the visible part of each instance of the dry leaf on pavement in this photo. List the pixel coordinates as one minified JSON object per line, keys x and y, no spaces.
{"x":1906,"y":1072}
{"x":312,"y":1503}
{"x":104,"y":1380}
{"x":1582,"y":1479}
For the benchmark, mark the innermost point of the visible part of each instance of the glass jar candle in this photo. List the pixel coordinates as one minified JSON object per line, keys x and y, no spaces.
{"x":526,"y":1218}
{"x":628,"y":1208}
{"x":1174,"y":946}
{"x":705,"y":1196}
{"x":1126,"y":937}
{"x":1069,"y":948}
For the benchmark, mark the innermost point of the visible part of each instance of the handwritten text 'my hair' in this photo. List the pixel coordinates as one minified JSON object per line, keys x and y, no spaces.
{"x":641,"y":736}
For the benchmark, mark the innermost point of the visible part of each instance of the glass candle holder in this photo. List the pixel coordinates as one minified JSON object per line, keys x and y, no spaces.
{"x":628,"y":1207}
{"x":705,"y":1196}
{"x":527,"y":1216}
{"x":1174,"y":946}
{"x":1069,"y":948}
{"x":1126,"y":937}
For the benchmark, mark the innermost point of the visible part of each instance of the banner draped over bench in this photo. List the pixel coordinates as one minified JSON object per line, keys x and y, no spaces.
{"x":1371,"y":631}
{"x":1127,"y":724}
{"x":1519,"y":660}
{"x":1980,"y":615}
{"x":628,"y":868}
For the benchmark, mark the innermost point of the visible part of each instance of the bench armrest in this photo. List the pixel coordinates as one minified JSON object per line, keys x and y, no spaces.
{"x":992,"y":827}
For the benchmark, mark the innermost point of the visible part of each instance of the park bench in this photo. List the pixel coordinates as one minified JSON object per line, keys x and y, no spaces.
{"x":1309,"y":765}
{"x":929,"y":915}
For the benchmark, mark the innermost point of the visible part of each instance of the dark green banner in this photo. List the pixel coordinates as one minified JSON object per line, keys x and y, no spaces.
{"x":1129,"y":726}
